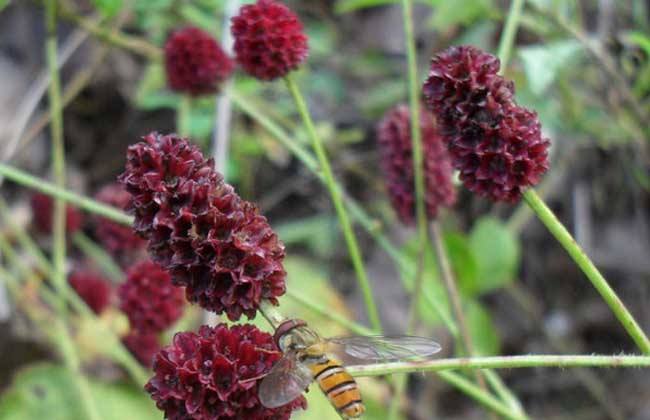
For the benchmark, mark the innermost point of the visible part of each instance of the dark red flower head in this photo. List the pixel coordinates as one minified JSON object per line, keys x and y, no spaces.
{"x":43,"y":210}
{"x":269,"y":39}
{"x":93,"y":289}
{"x":149,"y":299}
{"x":395,"y":147}
{"x":143,"y":346}
{"x":119,"y":240}
{"x":195,"y":63}
{"x":495,"y":144}
{"x":214,"y":243}
{"x":215,"y":375}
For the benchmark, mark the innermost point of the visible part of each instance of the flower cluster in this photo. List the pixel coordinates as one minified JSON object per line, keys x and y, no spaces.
{"x":395,"y":147}
{"x":195,"y":63}
{"x":149,"y":299}
{"x":43,"y":210}
{"x":211,"y":241}
{"x":495,"y":144}
{"x":93,"y":289}
{"x":269,"y":39}
{"x":119,"y":240}
{"x":214,"y":374}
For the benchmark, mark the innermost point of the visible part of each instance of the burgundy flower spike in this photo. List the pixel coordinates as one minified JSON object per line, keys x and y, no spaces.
{"x":92,"y":288}
{"x":149,"y":299}
{"x":395,"y":147}
{"x":495,"y":144}
{"x":195,"y":63}
{"x":214,"y":243}
{"x":119,"y":240}
{"x":269,"y":39}
{"x":214,"y":374}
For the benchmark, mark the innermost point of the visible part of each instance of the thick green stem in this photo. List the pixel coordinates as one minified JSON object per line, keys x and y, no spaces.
{"x":501,"y":362}
{"x":341,"y":212}
{"x":64,"y":342}
{"x":582,"y":260}
{"x":30,"y":181}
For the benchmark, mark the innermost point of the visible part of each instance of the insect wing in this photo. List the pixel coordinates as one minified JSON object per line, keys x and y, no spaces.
{"x":364,"y":350}
{"x":286,"y":380}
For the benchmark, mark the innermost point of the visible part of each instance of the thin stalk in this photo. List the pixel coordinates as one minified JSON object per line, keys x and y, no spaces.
{"x":23,"y":178}
{"x":335,"y":192}
{"x":63,"y":340}
{"x":97,"y":254}
{"x":416,"y":139}
{"x":588,"y":268}
{"x":501,"y":362}
{"x":509,"y":31}
{"x":420,"y":211}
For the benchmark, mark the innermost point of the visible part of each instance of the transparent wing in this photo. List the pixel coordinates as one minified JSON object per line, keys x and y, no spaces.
{"x":364,"y":350}
{"x":286,"y":380}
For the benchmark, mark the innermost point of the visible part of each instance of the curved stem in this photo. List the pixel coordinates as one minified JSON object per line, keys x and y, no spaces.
{"x":587,"y":266}
{"x":501,"y":362}
{"x":335,"y":192}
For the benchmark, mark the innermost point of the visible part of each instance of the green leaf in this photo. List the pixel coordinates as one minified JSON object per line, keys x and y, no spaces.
{"x":482,"y":329}
{"x":47,"y":391}
{"x":497,"y":253}
{"x":319,"y":233}
{"x":108,"y":7}
{"x":3,"y":4}
{"x":641,"y":39}
{"x":542,"y":63}
{"x":462,"y":262}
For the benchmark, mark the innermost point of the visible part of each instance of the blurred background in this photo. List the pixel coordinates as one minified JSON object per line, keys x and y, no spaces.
{"x":583,"y":65}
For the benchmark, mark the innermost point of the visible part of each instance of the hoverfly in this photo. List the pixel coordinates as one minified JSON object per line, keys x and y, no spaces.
{"x":308,"y":357}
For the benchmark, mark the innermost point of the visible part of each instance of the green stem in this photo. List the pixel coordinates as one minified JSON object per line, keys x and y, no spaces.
{"x":97,"y":254}
{"x":64,"y":342}
{"x":416,"y":139}
{"x":420,"y":211}
{"x":30,"y":181}
{"x":509,"y":31}
{"x":335,"y":192}
{"x":582,"y":260}
{"x":501,"y":362}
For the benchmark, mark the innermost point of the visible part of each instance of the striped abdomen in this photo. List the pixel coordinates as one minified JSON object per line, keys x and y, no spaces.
{"x":339,"y":387}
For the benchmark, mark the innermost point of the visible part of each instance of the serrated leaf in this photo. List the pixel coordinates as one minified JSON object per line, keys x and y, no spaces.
{"x":543,"y":62}
{"x":47,"y":391}
{"x":108,"y":7}
{"x":482,"y":329}
{"x":496,"y":251}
